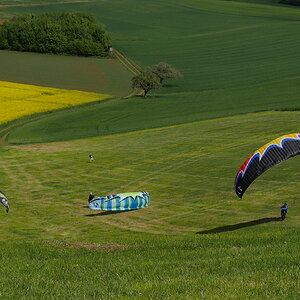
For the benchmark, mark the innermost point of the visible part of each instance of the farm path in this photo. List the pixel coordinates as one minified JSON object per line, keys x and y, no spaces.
{"x":131,"y":66}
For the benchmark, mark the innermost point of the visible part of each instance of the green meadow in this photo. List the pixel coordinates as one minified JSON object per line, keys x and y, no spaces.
{"x":196,"y":240}
{"x":183,"y":144}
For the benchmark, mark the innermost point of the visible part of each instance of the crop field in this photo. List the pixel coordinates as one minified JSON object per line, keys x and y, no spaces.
{"x":214,"y":43}
{"x":105,"y":76}
{"x":183,"y":144}
{"x":20,"y":100}
{"x":114,"y":116}
{"x":235,"y":57}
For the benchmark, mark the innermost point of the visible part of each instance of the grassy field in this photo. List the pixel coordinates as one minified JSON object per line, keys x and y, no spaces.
{"x":183,"y":144}
{"x":189,"y":170}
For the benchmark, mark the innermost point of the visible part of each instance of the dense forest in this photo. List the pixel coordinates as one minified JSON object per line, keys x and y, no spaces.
{"x":292,"y":2}
{"x":60,"y":33}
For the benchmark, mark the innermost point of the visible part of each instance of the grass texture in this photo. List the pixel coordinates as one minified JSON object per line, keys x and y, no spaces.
{"x":196,"y":240}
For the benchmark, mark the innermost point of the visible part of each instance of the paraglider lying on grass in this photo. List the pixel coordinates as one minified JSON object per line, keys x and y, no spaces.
{"x":122,"y":201}
{"x":4,"y":201}
{"x":264,"y":158}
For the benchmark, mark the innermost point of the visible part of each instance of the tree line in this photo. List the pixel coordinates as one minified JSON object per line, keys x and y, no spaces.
{"x":292,"y":2}
{"x":151,"y":78}
{"x":71,"y":33}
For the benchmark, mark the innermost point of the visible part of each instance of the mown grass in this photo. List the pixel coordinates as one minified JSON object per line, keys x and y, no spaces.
{"x":197,"y":240}
{"x":231,"y":266}
{"x":189,"y":170}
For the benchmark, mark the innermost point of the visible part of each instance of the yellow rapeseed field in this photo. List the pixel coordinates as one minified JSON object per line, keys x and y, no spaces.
{"x":19,"y":100}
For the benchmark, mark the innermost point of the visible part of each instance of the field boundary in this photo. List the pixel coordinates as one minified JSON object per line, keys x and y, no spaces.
{"x":127,"y":63}
{"x":132,"y":67}
{"x":8,"y":127}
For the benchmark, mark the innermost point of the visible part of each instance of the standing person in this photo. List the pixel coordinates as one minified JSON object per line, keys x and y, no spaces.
{"x":91,"y":157}
{"x":284,"y":209}
{"x":91,"y":196}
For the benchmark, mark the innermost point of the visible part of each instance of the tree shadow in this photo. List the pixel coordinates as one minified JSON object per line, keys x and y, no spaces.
{"x":109,"y":212}
{"x":239,"y":225}
{"x":169,"y":85}
{"x":148,"y":96}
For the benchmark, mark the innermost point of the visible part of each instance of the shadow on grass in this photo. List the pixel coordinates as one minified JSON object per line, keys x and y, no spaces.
{"x":169,"y":85}
{"x":149,"y":96}
{"x":108,"y":212}
{"x":239,"y":225}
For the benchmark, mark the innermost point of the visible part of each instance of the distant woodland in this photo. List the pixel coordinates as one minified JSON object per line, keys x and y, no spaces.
{"x":60,"y":33}
{"x":292,"y":2}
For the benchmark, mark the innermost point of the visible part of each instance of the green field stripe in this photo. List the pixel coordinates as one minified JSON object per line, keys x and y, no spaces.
{"x":243,"y":28}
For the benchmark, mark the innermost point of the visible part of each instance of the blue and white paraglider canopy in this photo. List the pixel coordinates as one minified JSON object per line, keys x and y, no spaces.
{"x":4,"y":201}
{"x":121,"y":202}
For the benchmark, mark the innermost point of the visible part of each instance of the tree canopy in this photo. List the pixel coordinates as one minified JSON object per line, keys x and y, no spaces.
{"x":165,"y":71}
{"x":146,"y":81}
{"x":60,"y":33}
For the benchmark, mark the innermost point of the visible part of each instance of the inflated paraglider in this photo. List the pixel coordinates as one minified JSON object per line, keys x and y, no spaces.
{"x":4,"y":201}
{"x":122,"y":201}
{"x":264,"y":158}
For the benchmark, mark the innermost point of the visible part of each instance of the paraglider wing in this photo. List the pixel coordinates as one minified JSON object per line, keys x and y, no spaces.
{"x":122,"y":201}
{"x":264,"y":158}
{"x":4,"y":201}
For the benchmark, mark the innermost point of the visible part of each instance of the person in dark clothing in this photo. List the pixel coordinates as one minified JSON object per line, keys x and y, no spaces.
{"x":91,"y":196}
{"x":284,"y":209}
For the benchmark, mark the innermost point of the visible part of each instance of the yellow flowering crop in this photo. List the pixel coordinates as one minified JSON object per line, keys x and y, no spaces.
{"x":19,"y":100}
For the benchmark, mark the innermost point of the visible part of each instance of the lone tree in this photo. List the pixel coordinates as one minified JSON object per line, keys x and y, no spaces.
{"x":146,"y":81}
{"x":165,"y":71}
